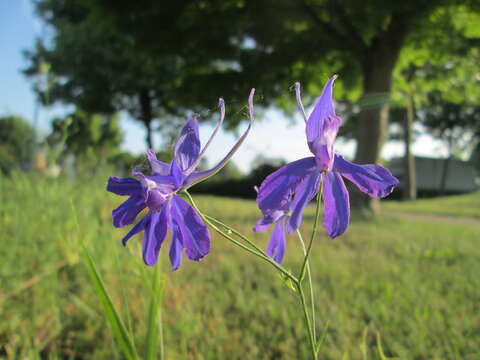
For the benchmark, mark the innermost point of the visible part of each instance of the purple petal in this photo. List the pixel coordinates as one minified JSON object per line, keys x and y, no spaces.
{"x":323,"y":147}
{"x":299,"y":101}
{"x":322,"y":127}
{"x":336,"y":204}
{"x":196,"y":177}
{"x":155,"y":232}
{"x":158,"y":167}
{"x":176,"y":174}
{"x":277,"y":189}
{"x":176,"y":247}
{"x":192,"y":167}
{"x":371,"y":179}
{"x":195,"y":234}
{"x":305,"y":192}
{"x":187,"y":147}
{"x":126,"y":213}
{"x":276,"y":246}
{"x":136,"y":229}
{"x":264,"y":223}
{"x":124,"y":186}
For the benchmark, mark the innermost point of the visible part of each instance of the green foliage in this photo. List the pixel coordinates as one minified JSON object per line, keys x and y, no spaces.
{"x":100,"y":56}
{"x":416,"y":286}
{"x":120,"y":332}
{"x":91,"y":138}
{"x":17,"y":138}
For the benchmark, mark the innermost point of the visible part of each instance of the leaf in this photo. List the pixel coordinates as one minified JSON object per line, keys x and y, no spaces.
{"x":322,"y":339}
{"x":122,"y":336}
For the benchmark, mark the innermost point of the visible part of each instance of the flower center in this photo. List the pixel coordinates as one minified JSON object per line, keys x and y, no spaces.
{"x":156,"y":199}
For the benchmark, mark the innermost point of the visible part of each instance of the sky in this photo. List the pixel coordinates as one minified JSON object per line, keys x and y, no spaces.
{"x":274,"y":136}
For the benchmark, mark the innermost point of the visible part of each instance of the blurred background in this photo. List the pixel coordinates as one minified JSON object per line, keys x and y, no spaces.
{"x":88,"y":85}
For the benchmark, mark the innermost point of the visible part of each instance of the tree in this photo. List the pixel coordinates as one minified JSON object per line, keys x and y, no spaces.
{"x":91,"y":138}
{"x":218,"y":47}
{"x":360,"y":40}
{"x":431,"y":64}
{"x":104,"y":68}
{"x":17,"y":137}
{"x":457,"y":124}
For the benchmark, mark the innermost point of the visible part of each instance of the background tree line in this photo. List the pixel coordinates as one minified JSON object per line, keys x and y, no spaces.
{"x":415,"y":60}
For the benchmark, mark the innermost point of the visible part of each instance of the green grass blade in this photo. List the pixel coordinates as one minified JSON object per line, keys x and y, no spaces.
{"x":122,"y":336}
{"x":322,"y":338}
{"x":154,"y":330}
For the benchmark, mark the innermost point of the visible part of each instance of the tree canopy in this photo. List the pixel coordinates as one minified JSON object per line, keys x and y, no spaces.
{"x":157,"y":59}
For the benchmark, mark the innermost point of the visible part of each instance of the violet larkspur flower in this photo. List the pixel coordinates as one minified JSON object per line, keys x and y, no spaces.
{"x":159,"y":191}
{"x":284,"y":194}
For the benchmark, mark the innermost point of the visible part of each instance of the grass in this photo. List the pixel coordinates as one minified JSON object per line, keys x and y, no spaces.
{"x":410,"y":288}
{"x":458,"y":206}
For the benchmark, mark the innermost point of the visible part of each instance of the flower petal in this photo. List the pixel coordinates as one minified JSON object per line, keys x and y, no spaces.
{"x":299,"y":101}
{"x":276,"y":190}
{"x":176,"y":247}
{"x":158,"y":167}
{"x":305,"y":192}
{"x":124,"y":186}
{"x":176,"y":174}
{"x":195,"y":234}
{"x":194,"y":165}
{"x":155,"y":233}
{"x":196,"y":177}
{"x":276,"y":246}
{"x":336,"y":204}
{"x":136,"y":229}
{"x":322,"y":128}
{"x":323,"y":108}
{"x":187,"y":147}
{"x":264,"y":223}
{"x":371,"y":179}
{"x":126,"y":213}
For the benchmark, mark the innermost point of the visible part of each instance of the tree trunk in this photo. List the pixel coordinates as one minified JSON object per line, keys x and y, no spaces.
{"x":446,"y":166}
{"x":378,"y":66}
{"x":146,"y":115}
{"x":443,"y":180}
{"x":410,"y":178}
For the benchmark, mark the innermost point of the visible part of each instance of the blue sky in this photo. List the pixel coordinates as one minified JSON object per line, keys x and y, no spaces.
{"x":274,"y":136}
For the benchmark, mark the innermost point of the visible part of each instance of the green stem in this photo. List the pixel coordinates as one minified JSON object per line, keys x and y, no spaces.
{"x":251,"y":243}
{"x":257,"y":253}
{"x":312,"y":237}
{"x":307,"y":320}
{"x":310,"y":284}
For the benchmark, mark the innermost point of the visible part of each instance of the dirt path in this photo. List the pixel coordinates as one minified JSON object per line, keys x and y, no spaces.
{"x":435,"y":218}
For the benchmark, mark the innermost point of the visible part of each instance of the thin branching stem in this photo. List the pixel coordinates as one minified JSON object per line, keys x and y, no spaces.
{"x":257,"y":253}
{"x":311,"y":338}
{"x":310,"y":284}
{"x":312,"y":237}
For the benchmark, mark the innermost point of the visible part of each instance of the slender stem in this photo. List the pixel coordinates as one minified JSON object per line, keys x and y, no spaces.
{"x":251,"y":243}
{"x":310,"y":284}
{"x":161,"y":285}
{"x":312,"y":237}
{"x":307,"y":321}
{"x":259,"y":254}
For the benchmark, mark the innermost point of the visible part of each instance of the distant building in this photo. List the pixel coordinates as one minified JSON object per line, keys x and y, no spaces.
{"x":461,"y":176}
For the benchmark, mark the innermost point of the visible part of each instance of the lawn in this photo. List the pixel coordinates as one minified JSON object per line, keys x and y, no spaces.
{"x":409,"y":287}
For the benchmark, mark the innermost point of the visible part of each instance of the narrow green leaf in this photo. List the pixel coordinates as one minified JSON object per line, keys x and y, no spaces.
{"x":154,"y":330}
{"x":322,"y":339}
{"x":122,"y":336}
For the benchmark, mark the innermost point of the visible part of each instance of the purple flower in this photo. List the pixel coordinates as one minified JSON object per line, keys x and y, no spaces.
{"x":158,"y":193}
{"x":284,"y":194}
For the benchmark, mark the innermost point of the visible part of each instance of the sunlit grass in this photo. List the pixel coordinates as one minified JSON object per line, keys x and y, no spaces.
{"x":414,"y":283}
{"x":456,"y":205}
